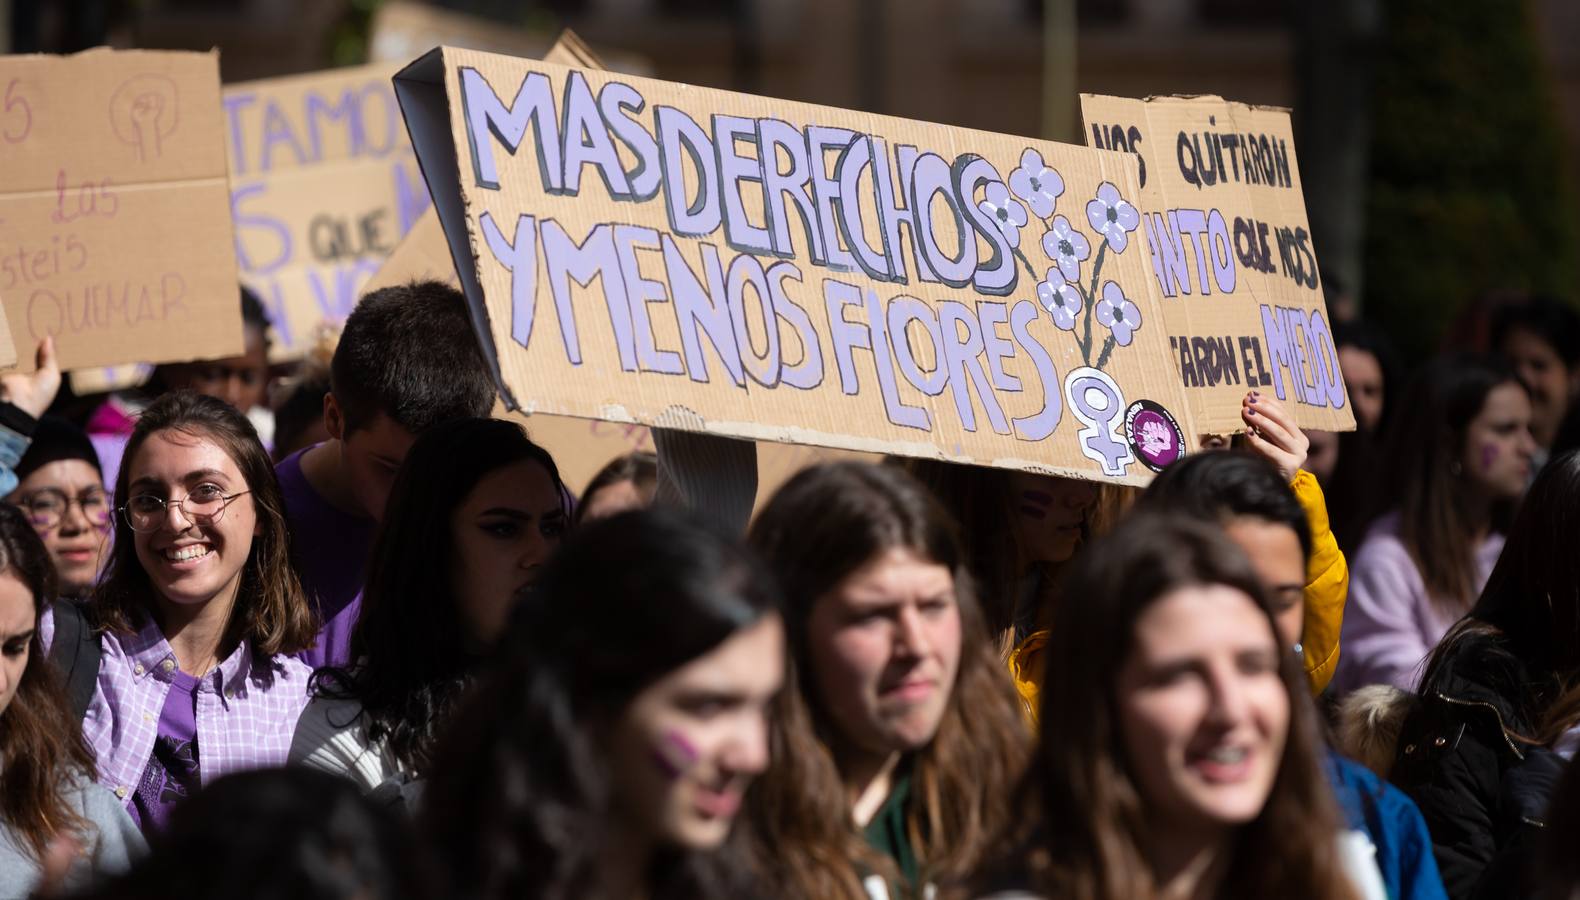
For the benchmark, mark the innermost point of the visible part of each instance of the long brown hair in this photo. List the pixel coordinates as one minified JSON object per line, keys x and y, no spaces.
{"x":1522,"y":638}
{"x":983,"y":504}
{"x":825,"y":523}
{"x":1085,"y":825}
{"x":271,"y":611}
{"x":1423,"y":481}
{"x":42,"y":751}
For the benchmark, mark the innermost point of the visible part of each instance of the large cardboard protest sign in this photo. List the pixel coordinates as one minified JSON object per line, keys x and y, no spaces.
{"x":580,"y":447}
{"x":115,"y":230}
{"x":1224,"y":226}
{"x":324,"y":187}
{"x":641,"y":251}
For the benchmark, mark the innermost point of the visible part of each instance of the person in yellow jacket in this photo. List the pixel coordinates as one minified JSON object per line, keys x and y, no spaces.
{"x":1271,"y":433}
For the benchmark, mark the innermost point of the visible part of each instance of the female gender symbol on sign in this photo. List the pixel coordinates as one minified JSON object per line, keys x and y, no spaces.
{"x":143,"y":112}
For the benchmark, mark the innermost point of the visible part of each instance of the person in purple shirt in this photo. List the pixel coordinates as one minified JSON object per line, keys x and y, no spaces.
{"x":407,"y":360}
{"x":199,"y":612}
{"x":1460,"y":458}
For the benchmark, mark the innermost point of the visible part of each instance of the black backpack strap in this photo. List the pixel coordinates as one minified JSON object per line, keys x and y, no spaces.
{"x":75,"y":654}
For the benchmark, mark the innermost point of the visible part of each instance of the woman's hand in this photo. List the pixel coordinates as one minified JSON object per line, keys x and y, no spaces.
{"x":1271,"y":432}
{"x":35,"y":392}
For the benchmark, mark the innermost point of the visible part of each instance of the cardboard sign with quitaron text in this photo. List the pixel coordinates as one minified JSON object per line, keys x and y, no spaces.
{"x":115,"y":231}
{"x":1230,"y":251}
{"x":642,"y":251}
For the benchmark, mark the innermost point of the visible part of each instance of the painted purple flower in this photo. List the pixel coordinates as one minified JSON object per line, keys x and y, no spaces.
{"x":1067,"y":247}
{"x":1112,"y":216}
{"x":1060,"y":299}
{"x":1006,"y":213}
{"x":1116,"y":313}
{"x":1036,"y":184}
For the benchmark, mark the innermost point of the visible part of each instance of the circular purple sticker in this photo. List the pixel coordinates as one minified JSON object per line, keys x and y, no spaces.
{"x":1153,"y":434}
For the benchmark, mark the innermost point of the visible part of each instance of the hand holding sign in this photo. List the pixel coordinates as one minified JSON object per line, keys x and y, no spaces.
{"x":1271,"y":432}
{"x":34,"y":392}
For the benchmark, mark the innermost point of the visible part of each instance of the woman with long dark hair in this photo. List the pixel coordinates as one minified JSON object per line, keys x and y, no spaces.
{"x":475,"y":512}
{"x":47,"y":790}
{"x":897,"y":750}
{"x":1459,"y":460}
{"x":607,"y":750}
{"x":1497,"y":702}
{"x":1178,"y":754}
{"x":199,"y":611}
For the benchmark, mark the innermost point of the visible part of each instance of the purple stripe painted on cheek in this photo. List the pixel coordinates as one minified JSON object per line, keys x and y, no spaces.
{"x":1489,"y":455}
{"x":674,"y":755}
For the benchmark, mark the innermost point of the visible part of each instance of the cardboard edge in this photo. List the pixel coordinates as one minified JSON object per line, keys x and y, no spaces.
{"x":1151,"y":98}
{"x":425,"y":107}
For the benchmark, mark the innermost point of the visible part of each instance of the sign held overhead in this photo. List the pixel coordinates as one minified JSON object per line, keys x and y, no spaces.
{"x":115,"y":231}
{"x":641,"y":251}
{"x":324,"y":186}
{"x":1230,"y":250}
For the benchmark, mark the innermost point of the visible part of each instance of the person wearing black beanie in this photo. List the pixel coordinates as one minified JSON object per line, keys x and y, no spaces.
{"x":61,"y":489}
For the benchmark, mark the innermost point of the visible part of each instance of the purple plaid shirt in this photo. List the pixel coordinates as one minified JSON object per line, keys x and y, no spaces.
{"x":246,"y":715}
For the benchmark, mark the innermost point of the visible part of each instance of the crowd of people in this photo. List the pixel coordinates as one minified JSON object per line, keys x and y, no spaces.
{"x":373,"y":646}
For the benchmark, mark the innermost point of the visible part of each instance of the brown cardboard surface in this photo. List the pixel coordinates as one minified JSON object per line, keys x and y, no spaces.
{"x":1231,"y":253}
{"x":1006,"y":364}
{"x":421,"y":256}
{"x":103,"y":379}
{"x":324,"y":187}
{"x":581,"y":447}
{"x":115,"y":228}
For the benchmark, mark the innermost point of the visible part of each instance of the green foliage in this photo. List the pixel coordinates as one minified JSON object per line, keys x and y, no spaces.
{"x":1469,"y":188}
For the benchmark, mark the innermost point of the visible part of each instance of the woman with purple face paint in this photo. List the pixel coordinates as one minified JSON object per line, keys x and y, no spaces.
{"x":1018,"y":529}
{"x":609,"y":747}
{"x":898,"y":749}
{"x":1482,"y":742}
{"x":1459,"y":460}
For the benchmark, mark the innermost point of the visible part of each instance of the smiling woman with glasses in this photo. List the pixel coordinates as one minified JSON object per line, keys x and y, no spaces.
{"x":199,"y":612}
{"x":61,"y":491}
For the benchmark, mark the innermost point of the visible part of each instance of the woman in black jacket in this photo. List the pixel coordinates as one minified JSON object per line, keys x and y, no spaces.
{"x":1477,"y":751}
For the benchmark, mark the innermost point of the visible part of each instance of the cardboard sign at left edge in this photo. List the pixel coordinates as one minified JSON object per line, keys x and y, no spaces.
{"x":323,"y":186}
{"x":115,"y":224}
